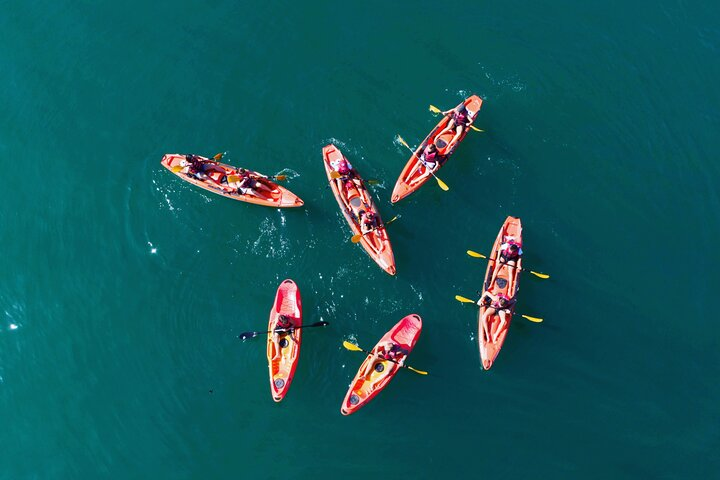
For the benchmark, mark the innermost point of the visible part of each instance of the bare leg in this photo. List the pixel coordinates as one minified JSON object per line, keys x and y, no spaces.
{"x":369,"y":366}
{"x":426,"y":173}
{"x":458,"y":132}
{"x":262,"y":186}
{"x":485,"y":324}
{"x":503,"y":324}
{"x":448,"y":127}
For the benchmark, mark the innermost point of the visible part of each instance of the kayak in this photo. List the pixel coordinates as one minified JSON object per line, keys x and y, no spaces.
{"x":506,"y":282}
{"x":412,"y":177}
{"x":364,"y":387}
{"x":279,"y":197}
{"x":354,"y":198}
{"x":282,"y":363}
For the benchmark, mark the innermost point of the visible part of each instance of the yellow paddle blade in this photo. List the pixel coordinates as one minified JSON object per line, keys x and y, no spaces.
{"x":351,"y":346}
{"x":475,"y":254}
{"x":441,"y":184}
{"x":532,"y":319}
{"x":177,"y":168}
{"x":392,"y":219}
{"x":463,"y":299}
{"x":401,"y":140}
{"x":233,"y":178}
{"x":356,"y":238}
{"x":416,"y":370}
{"x":434,"y":109}
{"x":280,"y":178}
{"x":476,"y":129}
{"x":334,"y":175}
{"x":540,"y":275}
{"x":218,"y":156}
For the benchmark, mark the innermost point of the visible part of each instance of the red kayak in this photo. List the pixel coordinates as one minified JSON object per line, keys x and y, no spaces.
{"x":505,"y":282}
{"x":219,"y":178}
{"x":354,"y":200}
{"x":375,"y":373}
{"x":414,"y":175}
{"x":283,"y":349}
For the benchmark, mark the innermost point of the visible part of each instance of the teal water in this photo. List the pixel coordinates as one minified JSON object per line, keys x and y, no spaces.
{"x":123,"y":288}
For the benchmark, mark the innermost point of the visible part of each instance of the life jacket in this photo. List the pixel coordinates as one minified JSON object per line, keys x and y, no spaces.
{"x":505,"y":249}
{"x":394,"y":352}
{"x":370,"y":219}
{"x":461,"y":117}
{"x":342,"y":166}
{"x":496,"y":304}
{"x":430,"y":157}
{"x":283,"y":324}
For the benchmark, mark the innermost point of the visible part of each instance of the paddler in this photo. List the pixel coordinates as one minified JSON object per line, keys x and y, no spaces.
{"x":509,"y":254}
{"x":499,"y":304}
{"x":343,"y":167}
{"x":384,"y":351}
{"x":430,"y":158}
{"x":459,"y":119}
{"x":283,"y":325}
{"x":369,"y":221}
{"x":247,"y":185}
{"x":202,"y":170}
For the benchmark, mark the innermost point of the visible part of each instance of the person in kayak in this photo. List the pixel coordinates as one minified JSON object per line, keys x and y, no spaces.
{"x":430,"y":159}
{"x":202,"y":169}
{"x":283,"y":325}
{"x":247,"y":185}
{"x":369,"y":221}
{"x":499,"y":304}
{"x":459,"y":120}
{"x":509,"y":253}
{"x":384,"y":351}
{"x":343,"y":167}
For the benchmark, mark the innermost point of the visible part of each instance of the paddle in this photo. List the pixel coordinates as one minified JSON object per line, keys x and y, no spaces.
{"x":358,"y":237}
{"x":434,"y":109}
{"x":467,"y":300}
{"x":537,"y":274}
{"x":246,"y":335}
{"x":441,"y":184}
{"x":354,"y":348}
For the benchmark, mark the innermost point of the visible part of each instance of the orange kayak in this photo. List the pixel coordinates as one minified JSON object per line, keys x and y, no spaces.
{"x":413,"y":175}
{"x":275,"y":196}
{"x":506,"y":283}
{"x":354,"y":198}
{"x":375,"y":373}
{"x":283,"y":349}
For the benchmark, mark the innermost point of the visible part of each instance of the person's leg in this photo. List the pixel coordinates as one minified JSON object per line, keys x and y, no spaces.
{"x":369,"y":366}
{"x":261,"y":186}
{"x":458,"y":132}
{"x":278,"y":348}
{"x":448,"y":127}
{"x":503,"y":324}
{"x":485,"y":323}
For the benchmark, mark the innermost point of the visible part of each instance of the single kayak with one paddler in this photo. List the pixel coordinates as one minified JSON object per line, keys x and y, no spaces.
{"x":383,"y":362}
{"x":283,"y":344}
